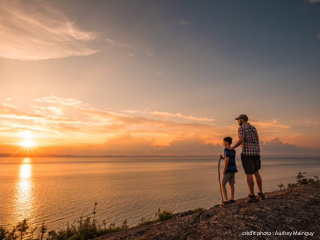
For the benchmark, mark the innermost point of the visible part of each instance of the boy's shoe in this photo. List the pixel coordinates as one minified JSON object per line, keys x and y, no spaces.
{"x":261,"y":196}
{"x":232,"y":201}
{"x":225,"y":203}
{"x":251,"y":199}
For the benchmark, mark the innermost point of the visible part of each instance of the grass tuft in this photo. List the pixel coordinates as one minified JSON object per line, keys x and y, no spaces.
{"x":84,"y":228}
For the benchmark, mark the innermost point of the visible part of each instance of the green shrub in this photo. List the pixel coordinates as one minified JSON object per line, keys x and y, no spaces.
{"x":302,"y":180}
{"x":164,"y":215}
{"x":3,"y":232}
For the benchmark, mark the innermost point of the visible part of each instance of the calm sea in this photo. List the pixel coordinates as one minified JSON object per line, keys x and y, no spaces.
{"x":60,"y":190}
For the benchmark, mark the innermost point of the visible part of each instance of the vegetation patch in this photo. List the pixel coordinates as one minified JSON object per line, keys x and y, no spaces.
{"x":301,"y":180}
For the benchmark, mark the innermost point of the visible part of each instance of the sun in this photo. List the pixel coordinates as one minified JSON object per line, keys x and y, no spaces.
{"x":27,"y":142}
{"x":27,"y":139}
{"x":28,"y":147}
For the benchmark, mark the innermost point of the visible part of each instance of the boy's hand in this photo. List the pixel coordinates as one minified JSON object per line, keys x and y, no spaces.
{"x":230,"y":148}
{"x":221,"y":157}
{"x":224,"y":172}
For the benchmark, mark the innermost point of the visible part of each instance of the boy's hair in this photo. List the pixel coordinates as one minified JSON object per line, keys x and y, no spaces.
{"x":228,"y":139}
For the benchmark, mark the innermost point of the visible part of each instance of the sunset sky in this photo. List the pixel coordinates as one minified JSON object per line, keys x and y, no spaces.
{"x":158,"y":77}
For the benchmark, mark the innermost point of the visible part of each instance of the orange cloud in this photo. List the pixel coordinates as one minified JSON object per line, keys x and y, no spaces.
{"x":270,"y":125}
{"x":73,"y":124}
{"x":179,"y":115}
{"x":56,"y":117}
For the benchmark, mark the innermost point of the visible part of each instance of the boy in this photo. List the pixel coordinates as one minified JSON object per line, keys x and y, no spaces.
{"x":229,"y":171}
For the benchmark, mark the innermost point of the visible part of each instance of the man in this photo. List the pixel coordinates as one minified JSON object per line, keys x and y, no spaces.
{"x":250,"y":156}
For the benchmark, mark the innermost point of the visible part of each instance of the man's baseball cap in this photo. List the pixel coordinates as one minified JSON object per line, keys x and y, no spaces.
{"x":243,"y":116}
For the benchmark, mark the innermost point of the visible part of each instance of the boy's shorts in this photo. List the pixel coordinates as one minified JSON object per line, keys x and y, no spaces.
{"x":228,"y":177}
{"x":250,"y":164}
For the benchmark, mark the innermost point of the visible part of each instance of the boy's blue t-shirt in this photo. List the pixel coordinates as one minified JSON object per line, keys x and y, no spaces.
{"x":231,"y":167}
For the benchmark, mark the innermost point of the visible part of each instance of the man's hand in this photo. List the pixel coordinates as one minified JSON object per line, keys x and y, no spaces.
{"x":221,"y":157}
{"x":240,"y":141}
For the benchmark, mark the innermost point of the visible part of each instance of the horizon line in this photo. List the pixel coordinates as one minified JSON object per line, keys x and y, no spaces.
{"x":143,"y":156}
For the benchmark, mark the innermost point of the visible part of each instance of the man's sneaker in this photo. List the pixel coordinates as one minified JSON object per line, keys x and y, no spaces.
{"x":251,"y":199}
{"x":225,"y":203}
{"x":261,"y":196}
{"x":232,"y":201}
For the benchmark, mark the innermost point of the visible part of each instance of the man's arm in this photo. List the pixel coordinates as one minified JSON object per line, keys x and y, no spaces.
{"x":241,"y":138}
{"x":237,"y":143}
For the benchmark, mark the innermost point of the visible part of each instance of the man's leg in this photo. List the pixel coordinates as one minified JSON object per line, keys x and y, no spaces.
{"x":224,"y":190}
{"x":250,"y":183}
{"x":232,"y":192}
{"x":258,"y":181}
{"x":249,"y":169}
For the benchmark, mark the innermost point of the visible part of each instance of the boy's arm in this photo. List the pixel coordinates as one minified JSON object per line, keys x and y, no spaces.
{"x":226,"y":161}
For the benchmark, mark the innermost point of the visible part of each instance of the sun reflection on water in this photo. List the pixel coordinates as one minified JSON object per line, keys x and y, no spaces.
{"x":24,"y":190}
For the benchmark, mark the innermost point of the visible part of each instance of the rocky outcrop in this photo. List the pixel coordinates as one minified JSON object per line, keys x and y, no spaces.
{"x":287,"y":214}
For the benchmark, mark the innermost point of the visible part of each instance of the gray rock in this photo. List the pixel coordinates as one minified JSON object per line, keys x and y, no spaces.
{"x":296,"y":209}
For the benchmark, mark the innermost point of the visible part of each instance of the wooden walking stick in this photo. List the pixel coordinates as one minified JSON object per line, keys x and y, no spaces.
{"x":220,"y":180}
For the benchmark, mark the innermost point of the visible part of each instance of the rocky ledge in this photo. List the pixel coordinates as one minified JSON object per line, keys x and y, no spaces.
{"x":288,"y":214}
